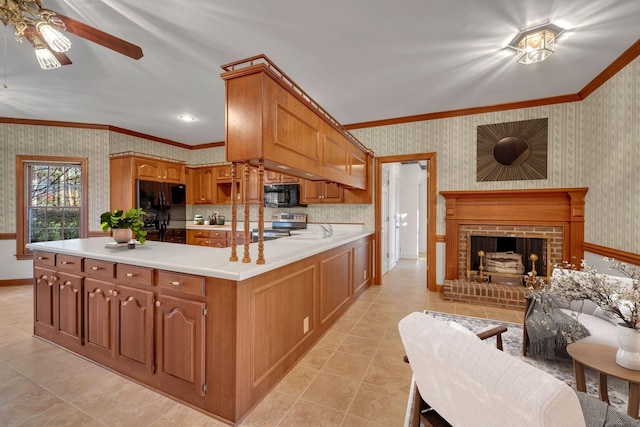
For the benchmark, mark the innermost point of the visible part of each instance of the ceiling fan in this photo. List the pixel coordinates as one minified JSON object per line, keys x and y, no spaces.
{"x":40,"y":27}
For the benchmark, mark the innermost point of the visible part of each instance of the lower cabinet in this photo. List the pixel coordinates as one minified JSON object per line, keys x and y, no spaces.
{"x":119,"y":327}
{"x":58,"y":307}
{"x":180,"y":347}
{"x":144,"y":331}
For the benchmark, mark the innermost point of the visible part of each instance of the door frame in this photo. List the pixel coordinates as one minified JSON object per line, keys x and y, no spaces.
{"x":430,"y":187}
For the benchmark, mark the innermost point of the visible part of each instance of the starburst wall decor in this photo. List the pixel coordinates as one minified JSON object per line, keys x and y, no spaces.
{"x":512,"y":151}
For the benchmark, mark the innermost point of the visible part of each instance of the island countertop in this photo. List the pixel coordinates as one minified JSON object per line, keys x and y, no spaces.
{"x":199,"y":260}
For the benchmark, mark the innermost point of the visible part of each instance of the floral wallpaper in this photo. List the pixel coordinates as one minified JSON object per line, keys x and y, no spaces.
{"x":608,"y":161}
{"x":593,"y":143}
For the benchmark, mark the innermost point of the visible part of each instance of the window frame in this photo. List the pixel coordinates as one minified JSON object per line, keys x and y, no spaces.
{"x":22,"y":229}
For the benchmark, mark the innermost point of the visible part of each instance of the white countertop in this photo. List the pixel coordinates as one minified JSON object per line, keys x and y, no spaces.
{"x":202,"y":260}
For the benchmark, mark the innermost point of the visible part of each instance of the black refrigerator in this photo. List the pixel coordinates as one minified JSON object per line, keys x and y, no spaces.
{"x":165,"y":207}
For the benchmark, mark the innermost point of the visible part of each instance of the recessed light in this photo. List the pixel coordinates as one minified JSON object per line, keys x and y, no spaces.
{"x":284,"y":167}
{"x":187,"y":118}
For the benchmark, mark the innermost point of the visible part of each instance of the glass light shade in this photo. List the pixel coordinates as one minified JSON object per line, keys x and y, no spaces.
{"x":535,"y":47}
{"x":46,"y":59}
{"x":54,"y":38}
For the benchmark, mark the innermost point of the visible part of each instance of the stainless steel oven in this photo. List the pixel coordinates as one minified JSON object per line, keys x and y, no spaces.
{"x":281,"y":226}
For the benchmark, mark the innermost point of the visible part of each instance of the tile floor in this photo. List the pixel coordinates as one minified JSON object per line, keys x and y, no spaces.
{"x":354,"y":376}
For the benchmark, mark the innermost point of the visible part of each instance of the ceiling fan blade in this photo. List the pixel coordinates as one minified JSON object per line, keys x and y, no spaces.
{"x":62,"y":57}
{"x":100,"y":37}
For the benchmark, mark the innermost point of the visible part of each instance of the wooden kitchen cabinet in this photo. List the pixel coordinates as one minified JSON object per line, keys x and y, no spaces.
{"x":180,"y":352}
{"x":125,"y":169}
{"x":321,"y":192}
{"x":271,"y":177}
{"x":58,"y":299}
{"x":158,"y":170}
{"x":212,"y":238}
{"x":203,"y":182}
{"x":283,"y":126}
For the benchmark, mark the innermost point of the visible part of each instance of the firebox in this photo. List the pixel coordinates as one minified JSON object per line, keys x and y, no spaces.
{"x":506,"y":259}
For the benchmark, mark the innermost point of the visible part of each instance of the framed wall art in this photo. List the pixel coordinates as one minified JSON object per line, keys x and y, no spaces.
{"x":512,"y":151}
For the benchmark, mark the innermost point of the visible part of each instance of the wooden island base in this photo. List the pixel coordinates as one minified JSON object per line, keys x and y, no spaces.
{"x":217,"y":344}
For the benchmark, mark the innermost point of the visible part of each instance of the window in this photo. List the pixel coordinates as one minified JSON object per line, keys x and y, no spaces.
{"x":53,"y":202}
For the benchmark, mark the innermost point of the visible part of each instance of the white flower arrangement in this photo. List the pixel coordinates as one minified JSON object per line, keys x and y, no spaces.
{"x":618,"y":299}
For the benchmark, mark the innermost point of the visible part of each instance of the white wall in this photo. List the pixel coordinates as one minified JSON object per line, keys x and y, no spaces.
{"x":409,"y":210}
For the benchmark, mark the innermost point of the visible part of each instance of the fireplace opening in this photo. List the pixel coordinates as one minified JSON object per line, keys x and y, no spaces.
{"x":507,"y":258}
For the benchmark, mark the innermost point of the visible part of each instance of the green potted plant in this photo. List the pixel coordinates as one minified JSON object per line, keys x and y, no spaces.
{"x":121,"y":220}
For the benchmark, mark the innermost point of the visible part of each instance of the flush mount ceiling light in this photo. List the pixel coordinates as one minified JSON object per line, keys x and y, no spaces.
{"x":536,"y":44}
{"x":187,"y":118}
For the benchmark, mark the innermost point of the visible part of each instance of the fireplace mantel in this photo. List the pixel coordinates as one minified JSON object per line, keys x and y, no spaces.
{"x":562,"y":207}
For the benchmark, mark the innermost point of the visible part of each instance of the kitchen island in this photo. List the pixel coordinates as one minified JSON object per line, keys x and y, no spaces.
{"x":183,"y":320}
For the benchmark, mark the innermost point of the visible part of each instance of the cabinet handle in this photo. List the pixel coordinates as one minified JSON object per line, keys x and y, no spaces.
{"x":115,"y":293}
{"x":110,"y":292}
{"x":66,"y":262}
{"x":41,"y":258}
{"x":94,"y":268}
{"x":157,"y":304}
{"x":176,"y":283}
{"x":130,"y":275}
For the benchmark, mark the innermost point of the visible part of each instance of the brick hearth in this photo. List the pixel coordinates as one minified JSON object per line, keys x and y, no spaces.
{"x":493,"y":294}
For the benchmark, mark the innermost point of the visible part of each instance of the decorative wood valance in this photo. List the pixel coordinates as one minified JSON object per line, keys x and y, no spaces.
{"x":545,"y":207}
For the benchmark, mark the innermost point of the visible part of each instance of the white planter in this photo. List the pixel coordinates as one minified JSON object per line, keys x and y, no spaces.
{"x":628,"y":354}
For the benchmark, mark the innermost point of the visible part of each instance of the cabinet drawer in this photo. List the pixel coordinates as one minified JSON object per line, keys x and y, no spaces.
{"x":44,"y":258}
{"x":134,"y":275}
{"x":199,"y":234}
{"x":69,"y":263}
{"x":215,"y":234}
{"x":181,"y":282}
{"x":99,"y":269}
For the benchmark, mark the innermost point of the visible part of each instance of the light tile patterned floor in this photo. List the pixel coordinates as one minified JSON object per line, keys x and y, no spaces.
{"x":353,"y":377}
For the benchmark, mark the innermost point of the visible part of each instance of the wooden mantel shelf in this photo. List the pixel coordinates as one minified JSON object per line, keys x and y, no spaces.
{"x":562,"y":207}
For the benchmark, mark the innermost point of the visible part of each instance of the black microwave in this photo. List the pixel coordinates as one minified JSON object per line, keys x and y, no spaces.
{"x":282,"y":195}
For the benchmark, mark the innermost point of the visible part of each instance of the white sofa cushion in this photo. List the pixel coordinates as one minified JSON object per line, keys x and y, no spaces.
{"x":601,"y":331}
{"x":471,"y":383}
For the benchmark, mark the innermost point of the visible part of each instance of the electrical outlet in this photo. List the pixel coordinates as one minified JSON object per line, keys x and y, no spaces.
{"x":305,"y":325}
{"x":364,"y":276}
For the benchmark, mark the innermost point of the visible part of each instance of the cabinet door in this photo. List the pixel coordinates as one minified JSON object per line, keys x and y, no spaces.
{"x":43,"y":297}
{"x":69,"y":310}
{"x":173,"y":172}
{"x":180,"y":338}
{"x":271,"y":177}
{"x":332,"y":192}
{"x":254,"y":189}
{"x":134,"y":332}
{"x":148,"y":169}
{"x":223,"y":173}
{"x":99,"y":321}
{"x":203,"y":183}
{"x":310,"y":192}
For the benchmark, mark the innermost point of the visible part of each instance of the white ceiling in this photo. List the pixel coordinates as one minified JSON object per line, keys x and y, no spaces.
{"x":362,"y":60}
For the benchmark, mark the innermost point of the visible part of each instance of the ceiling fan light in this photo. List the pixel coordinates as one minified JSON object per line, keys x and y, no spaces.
{"x":46,"y":59}
{"x":54,"y":38}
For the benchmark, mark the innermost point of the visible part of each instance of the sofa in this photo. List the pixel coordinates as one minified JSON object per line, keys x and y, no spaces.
{"x":601,"y":328}
{"x":471,"y":383}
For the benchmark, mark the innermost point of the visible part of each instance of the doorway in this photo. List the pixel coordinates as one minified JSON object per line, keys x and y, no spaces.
{"x":388,"y":224}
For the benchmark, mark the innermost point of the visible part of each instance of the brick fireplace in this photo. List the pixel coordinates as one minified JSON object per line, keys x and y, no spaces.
{"x":554,"y":217}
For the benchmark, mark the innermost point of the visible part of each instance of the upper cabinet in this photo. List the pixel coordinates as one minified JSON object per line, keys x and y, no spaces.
{"x":271,"y":118}
{"x":158,"y":170}
{"x":271,"y":177}
{"x":125,"y":168}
